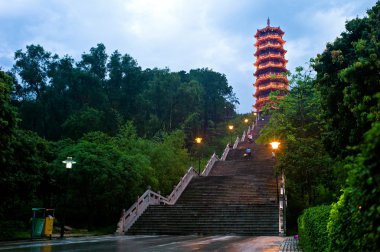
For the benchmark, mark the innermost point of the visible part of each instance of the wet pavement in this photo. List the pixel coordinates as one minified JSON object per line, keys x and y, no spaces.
{"x":150,"y":243}
{"x":290,"y":245}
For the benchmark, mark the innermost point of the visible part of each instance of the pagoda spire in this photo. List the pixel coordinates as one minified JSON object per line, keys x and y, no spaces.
{"x":268,"y":22}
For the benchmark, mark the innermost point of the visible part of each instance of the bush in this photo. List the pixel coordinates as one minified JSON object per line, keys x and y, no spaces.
{"x":9,"y":229}
{"x":354,"y":223}
{"x":312,"y":228}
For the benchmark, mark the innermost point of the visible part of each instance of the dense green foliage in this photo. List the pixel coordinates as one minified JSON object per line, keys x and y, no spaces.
{"x":59,"y":98}
{"x":355,"y":218}
{"x":335,"y":112}
{"x":112,"y":171}
{"x":347,"y":78}
{"x":127,"y":128}
{"x":349,"y":73}
{"x":307,"y":166}
{"x":8,"y":119}
{"x":312,"y":228}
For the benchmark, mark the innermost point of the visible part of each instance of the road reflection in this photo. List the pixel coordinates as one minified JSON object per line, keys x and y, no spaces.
{"x":149,"y":243}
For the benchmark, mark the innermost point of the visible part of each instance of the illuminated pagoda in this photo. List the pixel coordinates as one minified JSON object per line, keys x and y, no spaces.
{"x":270,"y":65}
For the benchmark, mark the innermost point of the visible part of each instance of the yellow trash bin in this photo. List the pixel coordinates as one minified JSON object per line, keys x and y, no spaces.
{"x":49,"y":221}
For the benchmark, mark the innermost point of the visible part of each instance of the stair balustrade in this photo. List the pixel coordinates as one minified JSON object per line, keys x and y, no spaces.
{"x":181,"y":186}
{"x":243,"y":136}
{"x":137,"y":209}
{"x":236,"y":143}
{"x":225,"y":152}
{"x":130,"y":216}
{"x":210,"y":164}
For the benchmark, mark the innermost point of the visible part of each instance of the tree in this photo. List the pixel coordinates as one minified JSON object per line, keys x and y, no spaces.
{"x":8,"y":118}
{"x":355,"y":218}
{"x":347,"y":78}
{"x":32,"y":67}
{"x":95,"y":61}
{"x":302,"y":156}
{"x":217,"y":95}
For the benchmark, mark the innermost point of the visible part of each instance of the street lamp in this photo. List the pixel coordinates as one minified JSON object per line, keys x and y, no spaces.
{"x":246,"y":120}
{"x":275,"y":146}
{"x":198,"y":140}
{"x":231,"y":128}
{"x":255,"y":114}
{"x":69,"y":164}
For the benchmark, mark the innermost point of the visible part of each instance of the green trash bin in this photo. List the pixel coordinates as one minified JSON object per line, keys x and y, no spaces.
{"x":38,"y":221}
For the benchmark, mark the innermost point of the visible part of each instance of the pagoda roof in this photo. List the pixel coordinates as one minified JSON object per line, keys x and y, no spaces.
{"x":271,"y":64}
{"x":261,"y":100}
{"x":268,"y":46}
{"x":271,"y":77}
{"x":271,"y":86}
{"x":269,"y":37}
{"x":269,"y":28}
{"x":277,"y":56}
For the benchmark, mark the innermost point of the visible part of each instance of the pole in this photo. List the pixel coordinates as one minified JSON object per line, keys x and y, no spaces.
{"x":199,"y":164}
{"x":278,"y":197}
{"x":65,"y":202}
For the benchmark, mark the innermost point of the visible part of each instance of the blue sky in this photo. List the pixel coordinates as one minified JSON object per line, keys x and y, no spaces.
{"x":178,"y":34}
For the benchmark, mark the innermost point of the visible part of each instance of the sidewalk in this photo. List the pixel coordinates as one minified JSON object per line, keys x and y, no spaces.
{"x":290,"y":245}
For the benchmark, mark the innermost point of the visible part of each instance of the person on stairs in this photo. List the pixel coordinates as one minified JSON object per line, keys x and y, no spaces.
{"x":250,"y":138}
{"x":248,"y":153}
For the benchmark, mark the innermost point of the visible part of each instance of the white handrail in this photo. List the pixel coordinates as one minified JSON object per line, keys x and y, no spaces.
{"x":130,"y":216}
{"x":181,"y":186}
{"x":137,"y":209}
{"x":225,"y":153}
{"x":243,"y":136}
{"x":210,"y":164}
{"x":236,"y":143}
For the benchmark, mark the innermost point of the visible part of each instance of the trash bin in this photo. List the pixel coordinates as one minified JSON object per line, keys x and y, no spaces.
{"x":49,"y":221}
{"x":38,"y":221}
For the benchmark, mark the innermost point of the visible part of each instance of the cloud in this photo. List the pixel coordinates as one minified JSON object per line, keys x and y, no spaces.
{"x":179,"y":34}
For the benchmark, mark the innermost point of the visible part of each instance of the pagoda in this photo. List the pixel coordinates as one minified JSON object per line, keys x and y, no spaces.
{"x":270,"y":65}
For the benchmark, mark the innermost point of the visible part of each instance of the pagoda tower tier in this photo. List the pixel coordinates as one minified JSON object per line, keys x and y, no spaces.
{"x":271,"y":72}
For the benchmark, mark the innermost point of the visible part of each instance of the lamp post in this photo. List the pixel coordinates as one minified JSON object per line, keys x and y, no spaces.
{"x":69,"y":164}
{"x":255,"y":114}
{"x":231,"y":128}
{"x":275,"y":146}
{"x":246,"y":120}
{"x":282,"y":203}
{"x":198,"y":140}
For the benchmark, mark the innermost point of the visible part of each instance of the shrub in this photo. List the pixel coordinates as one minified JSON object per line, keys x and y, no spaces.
{"x":354,"y":223}
{"x":8,"y":229}
{"x":312,"y":228}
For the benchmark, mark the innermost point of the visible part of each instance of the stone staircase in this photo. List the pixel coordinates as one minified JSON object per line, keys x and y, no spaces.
{"x":239,"y":196}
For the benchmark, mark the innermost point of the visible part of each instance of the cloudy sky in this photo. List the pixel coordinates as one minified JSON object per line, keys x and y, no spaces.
{"x":178,"y":34}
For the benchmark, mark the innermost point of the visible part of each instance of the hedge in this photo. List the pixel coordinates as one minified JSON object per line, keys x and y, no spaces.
{"x":312,"y":228}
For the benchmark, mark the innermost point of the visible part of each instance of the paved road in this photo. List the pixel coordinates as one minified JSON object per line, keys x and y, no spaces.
{"x":150,"y":243}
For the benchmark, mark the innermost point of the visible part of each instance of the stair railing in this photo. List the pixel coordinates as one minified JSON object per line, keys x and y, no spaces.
{"x":210,"y":164}
{"x":243,"y":136}
{"x":181,"y":186}
{"x":137,"y":209}
{"x":130,"y":216}
{"x":236,"y":143}
{"x":225,"y":153}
